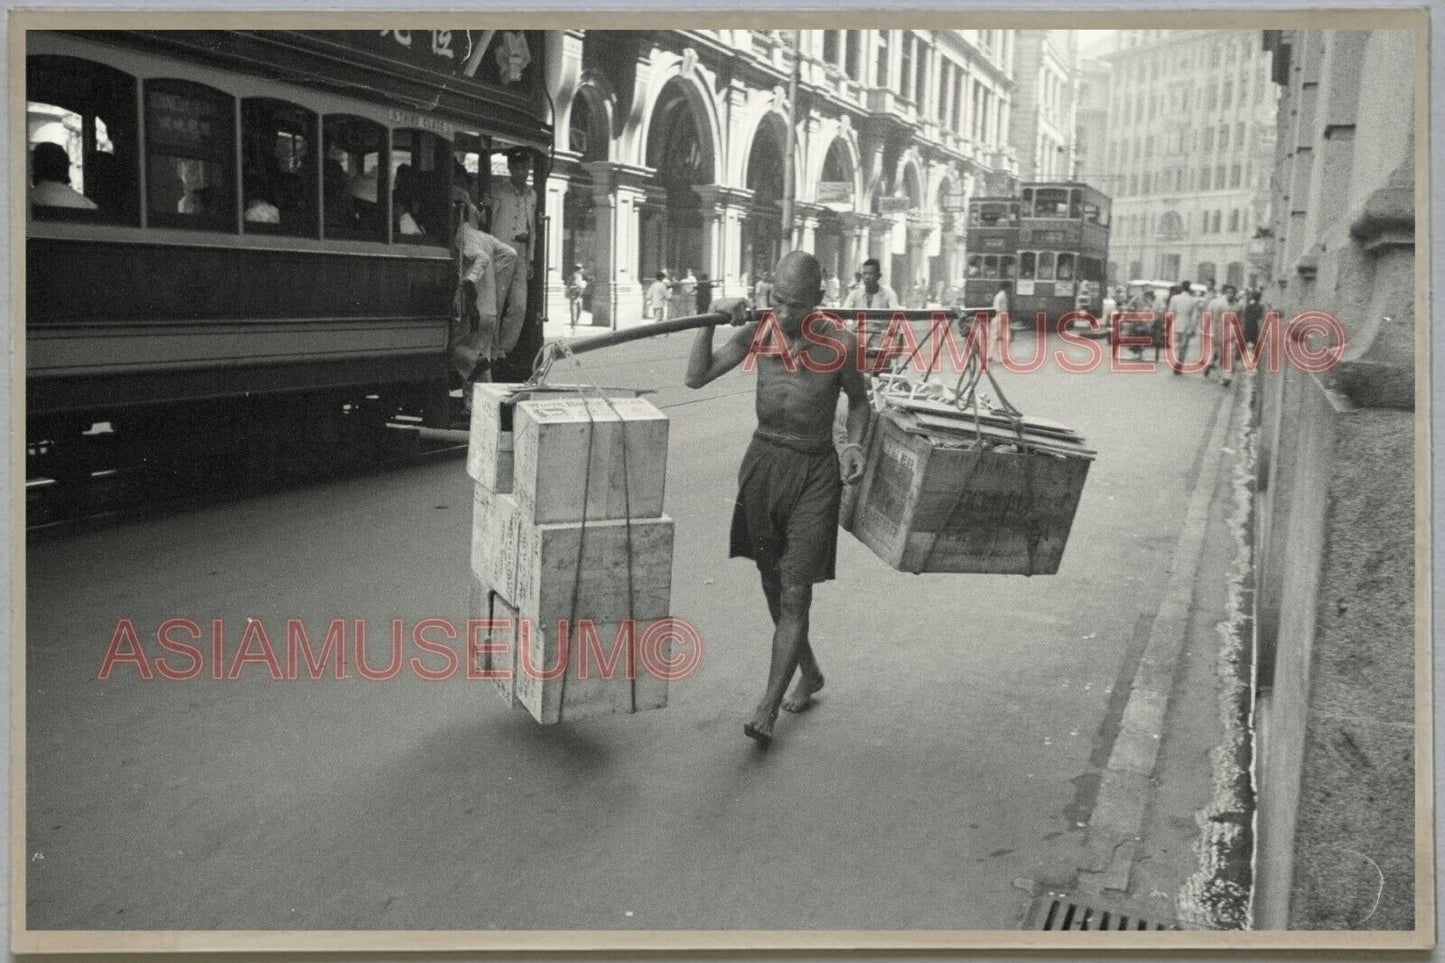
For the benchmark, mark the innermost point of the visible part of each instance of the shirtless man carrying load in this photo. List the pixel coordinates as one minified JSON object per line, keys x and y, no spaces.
{"x":790,"y":483}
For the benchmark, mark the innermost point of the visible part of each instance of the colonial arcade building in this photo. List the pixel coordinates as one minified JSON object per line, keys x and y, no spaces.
{"x":671,"y":154}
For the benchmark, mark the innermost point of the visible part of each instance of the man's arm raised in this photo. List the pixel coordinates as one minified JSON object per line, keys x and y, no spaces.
{"x":705,"y":364}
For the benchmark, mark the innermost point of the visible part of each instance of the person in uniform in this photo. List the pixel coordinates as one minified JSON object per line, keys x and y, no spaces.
{"x":790,"y":484}
{"x":514,"y":214}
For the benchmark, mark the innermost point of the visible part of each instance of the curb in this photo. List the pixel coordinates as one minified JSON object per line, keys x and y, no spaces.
{"x":1126,"y":786}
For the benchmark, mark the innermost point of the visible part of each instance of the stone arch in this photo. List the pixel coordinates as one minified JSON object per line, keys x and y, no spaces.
{"x":680,"y":147}
{"x":670,"y":88}
{"x":589,"y":123}
{"x":764,"y":175}
{"x":840,"y":162}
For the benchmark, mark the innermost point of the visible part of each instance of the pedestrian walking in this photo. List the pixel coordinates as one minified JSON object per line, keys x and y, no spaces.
{"x":1220,"y":305}
{"x":1182,"y":318}
{"x":657,"y":297}
{"x":576,"y":288}
{"x":790,"y":483}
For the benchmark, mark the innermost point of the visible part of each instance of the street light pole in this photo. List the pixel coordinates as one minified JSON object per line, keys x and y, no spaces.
{"x":790,"y":183}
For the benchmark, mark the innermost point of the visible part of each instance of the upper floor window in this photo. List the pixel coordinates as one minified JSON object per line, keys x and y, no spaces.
{"x":190,"y":156}
{"x":81,"y":137}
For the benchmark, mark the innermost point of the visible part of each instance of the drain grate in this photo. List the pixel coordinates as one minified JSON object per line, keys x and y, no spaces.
{"x":1057,"y":912}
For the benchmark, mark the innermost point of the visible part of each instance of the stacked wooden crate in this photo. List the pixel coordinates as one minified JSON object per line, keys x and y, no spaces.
{"x":570,"y":547}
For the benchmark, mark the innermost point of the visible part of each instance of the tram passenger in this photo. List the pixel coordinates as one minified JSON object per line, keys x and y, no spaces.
{"x":492,"y":292}
{"x":50,"y":179}
{"x":406,"y":202}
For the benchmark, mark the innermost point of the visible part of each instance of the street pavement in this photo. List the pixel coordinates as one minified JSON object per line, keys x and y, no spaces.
{"x":954,"y":756}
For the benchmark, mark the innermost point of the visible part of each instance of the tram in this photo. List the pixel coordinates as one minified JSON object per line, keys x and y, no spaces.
{"x":991,"y":239}
{"x":232,"y":228}
{"x":1063,"y":249}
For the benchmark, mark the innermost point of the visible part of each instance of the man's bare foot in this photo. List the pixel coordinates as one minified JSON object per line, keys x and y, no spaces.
{"x":803,"y":691}
{"x":760,"y":729}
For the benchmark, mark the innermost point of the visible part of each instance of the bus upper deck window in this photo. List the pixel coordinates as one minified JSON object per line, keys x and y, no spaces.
{"x":1026,"y":265}
{"x":81,"y":137}
{"x":351,"y":171}
{"x":1051,"y":202}
{"x":190,"y":156}
{"x":1065,"y":269}
{"x":421,"y":187}
{"x":278,"y":168}
{"x":1046,"y":266}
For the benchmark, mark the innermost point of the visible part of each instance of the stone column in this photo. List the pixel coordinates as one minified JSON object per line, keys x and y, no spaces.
{"x":617,"y":193}
{"x":555,"y":284}
{"x":724,"y":211}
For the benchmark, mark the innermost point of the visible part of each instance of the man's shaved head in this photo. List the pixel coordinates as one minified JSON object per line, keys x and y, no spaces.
{"x":799,"y":277}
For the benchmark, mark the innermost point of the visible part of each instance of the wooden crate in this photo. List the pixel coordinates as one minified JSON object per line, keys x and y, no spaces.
{"x":490,"y":448}
{"x":496,"y":532}
{"x":995,"y":512}
{"x":535,"y":566}
{"x":552,"y":559}
{"x":569,"y":697}
{"x":627,"y":441}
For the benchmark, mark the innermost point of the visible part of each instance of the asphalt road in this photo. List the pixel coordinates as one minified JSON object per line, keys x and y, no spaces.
{"x":955,"y":750}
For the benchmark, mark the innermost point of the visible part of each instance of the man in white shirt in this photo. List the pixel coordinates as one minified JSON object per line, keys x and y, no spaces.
{"x":514,"y":214}
{"x":1184,"y":307}
{"x":872,"y":293}
{"x":832,"y":291}
{"x":657,"y":298}
{"x":1221,"y":304}
{"x":50,"y":177}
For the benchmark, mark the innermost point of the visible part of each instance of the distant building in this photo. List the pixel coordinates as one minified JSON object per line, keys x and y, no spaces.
{"x":1190,"y":145}
{"x":1045,"y":95}
{"x":1091,"y":125}
{"x":670,"y":154}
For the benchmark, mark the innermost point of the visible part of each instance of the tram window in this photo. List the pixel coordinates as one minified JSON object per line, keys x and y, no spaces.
{"x":1026,"y":265}
{"x":420,"y":186}
{"x":353,"y":165}
{"x":278,"y":168}
{"x":1028,"y":202}
{"x":990,"y":265}
{"x":1094,"y":214}
{"x":975,"y":265}
{"x":1051,"y":202}
{"x":1065,"y":269}
{"x":1006,"y":266}
{"x":1075,"y":212}
{"x":1046,"y":265}
{"x":190,"y":156}
{"x":81,"y":137}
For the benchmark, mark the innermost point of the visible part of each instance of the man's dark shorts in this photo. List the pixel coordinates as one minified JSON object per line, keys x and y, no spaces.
{"x":787,"y":510}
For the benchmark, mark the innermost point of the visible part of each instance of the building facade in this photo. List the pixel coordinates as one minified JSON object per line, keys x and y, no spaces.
{"x":1191,"y":140}
{"x":1091,"y":126}
{"x":670,"y":154}
{"x":1334,"y":609}
{"x":1045,"y":99}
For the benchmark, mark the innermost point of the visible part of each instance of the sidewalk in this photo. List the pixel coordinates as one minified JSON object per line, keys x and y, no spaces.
{"x":1170,"y":837}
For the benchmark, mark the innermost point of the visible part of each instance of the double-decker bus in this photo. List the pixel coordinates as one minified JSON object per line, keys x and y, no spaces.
{"x":226,"y":229}
{"x":992,"y":241}
{"x":1063,"y":249}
